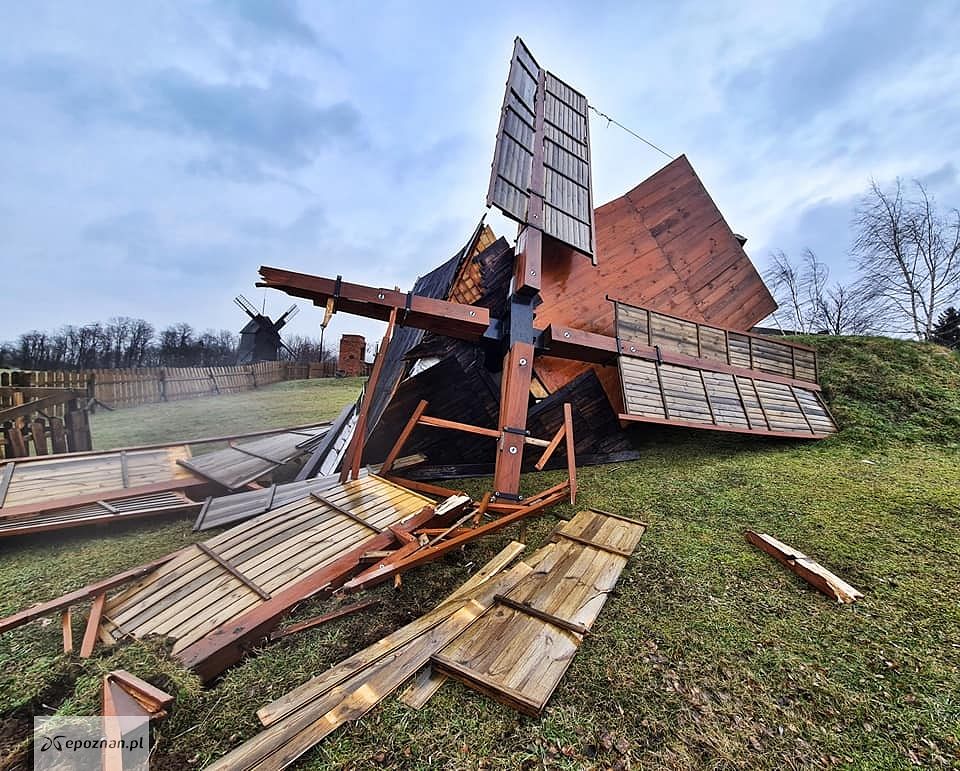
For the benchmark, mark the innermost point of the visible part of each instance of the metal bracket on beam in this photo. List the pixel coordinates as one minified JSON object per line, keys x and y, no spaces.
{"x":336,"y":292}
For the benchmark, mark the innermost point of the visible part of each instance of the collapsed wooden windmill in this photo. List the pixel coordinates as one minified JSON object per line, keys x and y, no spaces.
{"x":652,"y":293}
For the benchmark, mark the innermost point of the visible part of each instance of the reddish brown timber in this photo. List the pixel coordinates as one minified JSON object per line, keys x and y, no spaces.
{"x":429,"y":553}
{"x":812,"y":572}
{"x":551,"y":448}
{"x":403,"y":437}
{"x":316,"y":621}
{"x":351,"y":461}
{"x":93,"y":625}
{"x":465,"y":322}
{"x":571,"y":454}
{"x":226,"y":644}
{"x":79,"y":595}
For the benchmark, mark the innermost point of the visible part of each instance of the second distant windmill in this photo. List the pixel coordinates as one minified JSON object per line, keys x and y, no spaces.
{"x":260,"y":337}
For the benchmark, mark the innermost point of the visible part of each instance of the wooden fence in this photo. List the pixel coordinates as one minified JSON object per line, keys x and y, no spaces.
{"x":130,"y":387}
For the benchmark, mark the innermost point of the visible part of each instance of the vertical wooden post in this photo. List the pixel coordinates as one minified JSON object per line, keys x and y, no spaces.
{"x":351,"y":460}
{"x":17,"y":447}
{"x":58,"y":439}
{"x":518,"y":364}
{"x":39,"y":430}
{"x":403,"y":437}
{"x":78,"y":428}
{"x":571,"y":451}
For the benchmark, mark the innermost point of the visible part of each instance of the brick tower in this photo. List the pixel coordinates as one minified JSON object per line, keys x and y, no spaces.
{"x":353,"y":349}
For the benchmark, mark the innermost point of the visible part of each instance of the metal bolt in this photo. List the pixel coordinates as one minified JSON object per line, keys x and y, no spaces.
{"x":380,"y":295}
{"x":523,"y":362}
{"x":533,"y":273}
{"x":472,"y":313}
{"x":566,"y":334}
{"x":513,"y":450}
{"x":633,"y":349}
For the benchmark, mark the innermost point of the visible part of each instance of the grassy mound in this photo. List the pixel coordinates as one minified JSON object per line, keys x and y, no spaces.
{"x":882,"y":390}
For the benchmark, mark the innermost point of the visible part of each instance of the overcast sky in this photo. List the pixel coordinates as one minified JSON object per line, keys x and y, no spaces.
{"x":154,"y":154}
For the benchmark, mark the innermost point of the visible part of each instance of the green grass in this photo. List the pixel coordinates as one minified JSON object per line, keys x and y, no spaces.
{"x":708,"y":655}
{"x":294,"y":402}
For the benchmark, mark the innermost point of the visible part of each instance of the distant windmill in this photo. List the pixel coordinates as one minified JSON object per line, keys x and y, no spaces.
{"x":260,"y":338}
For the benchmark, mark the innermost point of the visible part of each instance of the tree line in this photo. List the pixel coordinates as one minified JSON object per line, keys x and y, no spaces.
{"x":124,"y":342}
{"x":906,"y":273}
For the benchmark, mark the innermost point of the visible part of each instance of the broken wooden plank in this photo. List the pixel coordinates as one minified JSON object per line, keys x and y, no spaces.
{"x":93,"y":624}
{"x":146,"y":694}
{"x":350,"y":689}
{"x":404,"y":436}
{"x":316,"y":621}
{"x":502,"y":653}
{"x":66,"y":625}
{"x":85,"y":593}
{"x":422,"y":688}
{"x":810,"y":571}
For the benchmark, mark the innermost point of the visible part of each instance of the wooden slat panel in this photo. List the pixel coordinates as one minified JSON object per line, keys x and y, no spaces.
{"x":518,"y":651}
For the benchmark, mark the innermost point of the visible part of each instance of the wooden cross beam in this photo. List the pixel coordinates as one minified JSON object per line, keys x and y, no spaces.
{"x":517,"y":335}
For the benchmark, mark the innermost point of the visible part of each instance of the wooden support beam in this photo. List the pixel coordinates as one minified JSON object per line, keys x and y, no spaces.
{"x":429,"y":553}
{"x":66,"y":626}
{"x":404,"y":436}
{"x":810,"y":571}
{"x":345,"y":512}
{"x":514,"y":396}
{"x":93,"y":626}
{"x":352,"y":458}
{"x":435,"y":491}
{"x":316,"y":621}
{"x":225,"y":564}
{"x":551,"y":448}
{"x":85,"y":593}
{"x":592,"y":544}
{"x":524,"y":607}
{"x":571,"y":453}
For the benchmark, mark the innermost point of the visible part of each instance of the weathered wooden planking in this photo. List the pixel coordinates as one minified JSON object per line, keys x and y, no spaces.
{"x":230,"y":509}
{"x":350,"y":689}
{"x":55,"y":483}
{"x":810,"y":571}
{"x":99,"y":513}
{"x":687,"y":396}
{"x":519,"y":650}
{"x":238,"y":465}
{"x":648,"y":327}
{"x":541,"y":167}
{"x":193,"y":595}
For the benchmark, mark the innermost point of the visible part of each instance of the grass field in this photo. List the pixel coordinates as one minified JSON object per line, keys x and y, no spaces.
{"x":708,"y":655}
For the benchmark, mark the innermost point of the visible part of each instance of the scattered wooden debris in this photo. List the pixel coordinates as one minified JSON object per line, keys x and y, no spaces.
{"x":264,"y":566}
{"x":239,"y":464}
{"x":100,"y":513}
{"x":230,"y":509}
{"x":810,"y":571}
{"x":57,"y":483}
{"x":316,"y":621}
{"x":306,"y":715}
{"x":518,"y":651}
{"x":128,"y":703}
{"x":77,"y":596}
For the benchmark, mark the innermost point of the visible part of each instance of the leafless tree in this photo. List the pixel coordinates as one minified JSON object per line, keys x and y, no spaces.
{"x":908,"y":254}
{"x":809,"y":304}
